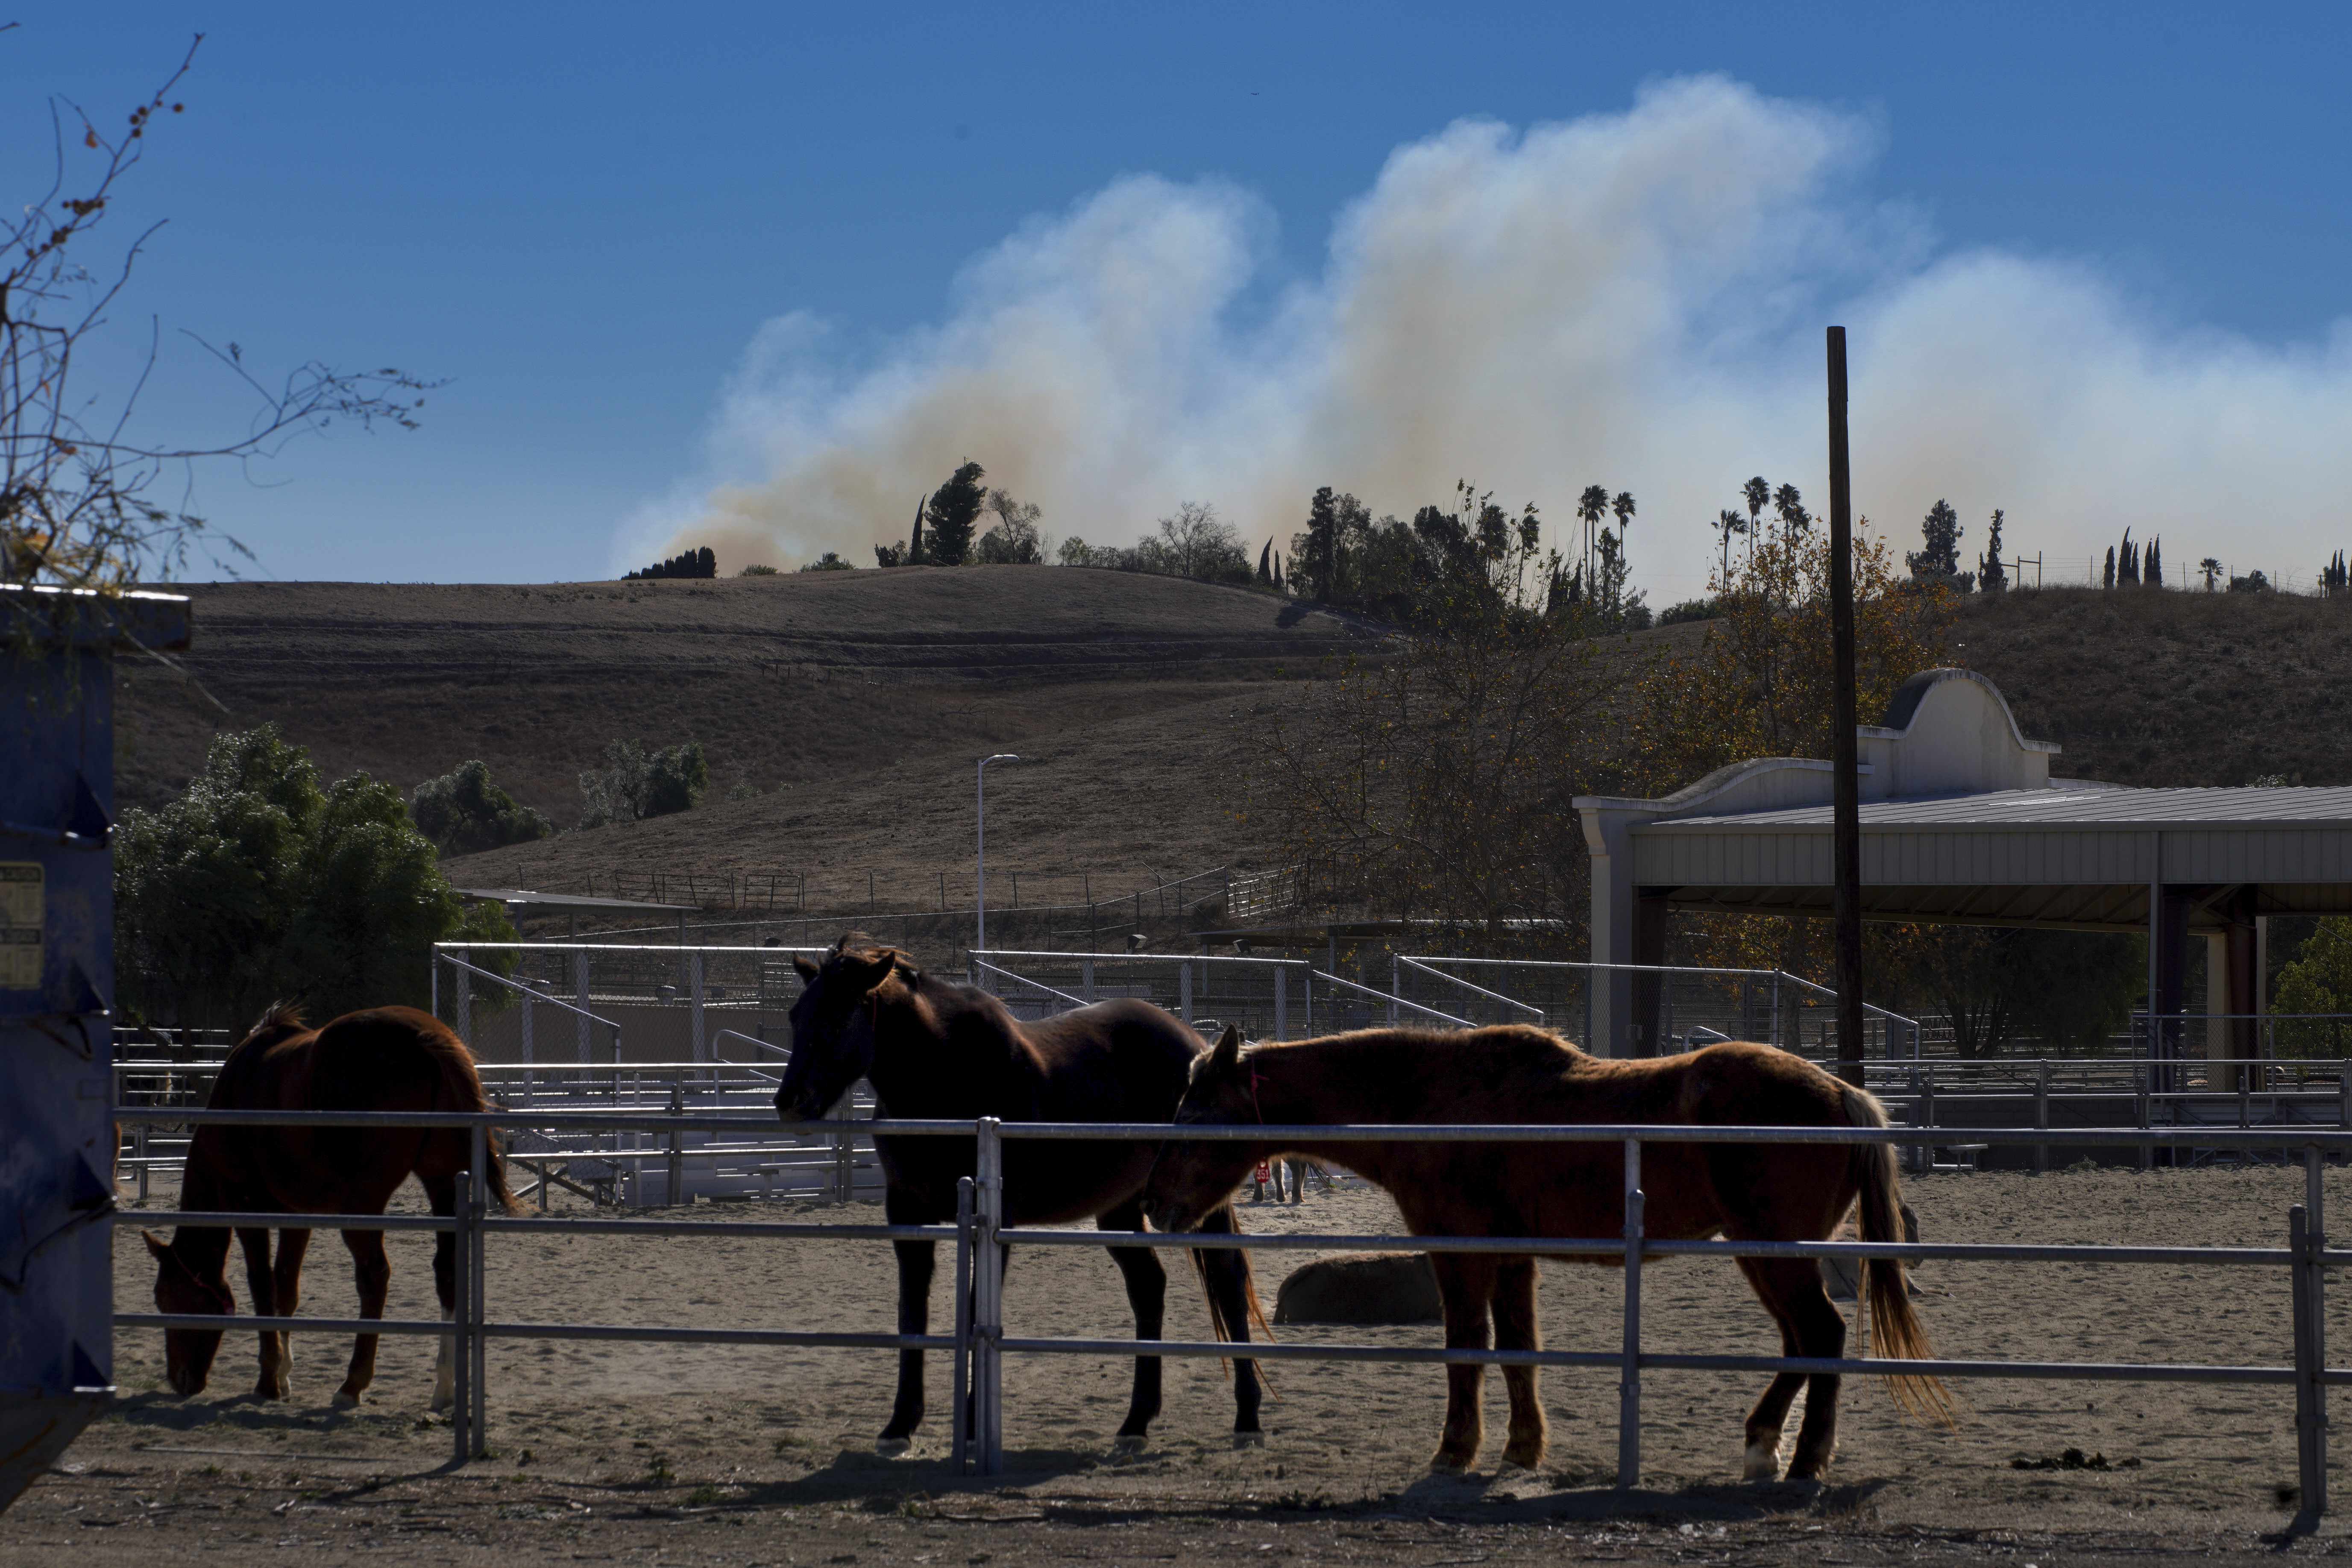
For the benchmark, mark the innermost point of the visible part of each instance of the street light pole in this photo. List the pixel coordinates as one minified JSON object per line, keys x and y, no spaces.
{"x":979,"y":848}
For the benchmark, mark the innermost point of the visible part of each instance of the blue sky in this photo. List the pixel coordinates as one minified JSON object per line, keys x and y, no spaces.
{"x":661,"y":257}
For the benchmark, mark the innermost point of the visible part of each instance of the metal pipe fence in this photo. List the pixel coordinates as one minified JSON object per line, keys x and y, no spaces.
{"x":979,"y":1342}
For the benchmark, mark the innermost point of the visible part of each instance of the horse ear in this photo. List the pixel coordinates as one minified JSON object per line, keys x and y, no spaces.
{"x":156,"y":1244}
{"x":808,"y":971}
{"x":1228,"y":1053}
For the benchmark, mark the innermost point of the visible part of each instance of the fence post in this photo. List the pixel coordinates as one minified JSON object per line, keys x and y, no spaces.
{"x":529,"y":1055}
{"x":676,"y":1184}
{"x":960,"y":1425}
{"x":1086,"y":979}
{"x":2343,"y":1095}
{"x":1629,"y":1376}
{"x":580,"y":1000}
{"x":1282,"y":1002}
{"x":461,"y":1312}
{"x":463,"y":1002}
{"x":1927,"y":1155}
{"x":2041,"y":1114}
{"x":988,"y":1299}
{"x":476,"y":1344}
{"x":694,"y":976}
{"x":2313,"y":1166}
{"x":2311,"y":1463}
{"x":1394,"y":986}
{"x":1184,"y":991}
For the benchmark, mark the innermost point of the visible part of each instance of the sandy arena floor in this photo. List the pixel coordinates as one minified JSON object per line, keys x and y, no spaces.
{"x":756,"y":1455}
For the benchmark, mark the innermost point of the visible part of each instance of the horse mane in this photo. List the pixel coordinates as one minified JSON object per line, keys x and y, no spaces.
{"x":281,"y":1014}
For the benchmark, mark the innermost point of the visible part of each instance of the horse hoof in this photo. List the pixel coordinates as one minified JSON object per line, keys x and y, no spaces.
{"x":1126,"y":1445}
{"x":891,"y":1447}
{"x":1249,"y":1440}
{"x":344,"y":1399}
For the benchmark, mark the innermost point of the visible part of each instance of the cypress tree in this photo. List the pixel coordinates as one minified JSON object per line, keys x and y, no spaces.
{"x":2110,"y":581}
{"x":2153,"y":574}
{"x":1266,"y":565}
{"x":915,"y":540}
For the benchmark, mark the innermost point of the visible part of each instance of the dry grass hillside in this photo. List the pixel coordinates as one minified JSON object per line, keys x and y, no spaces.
{"x":869,"y":694}
{"x":2150,"y":686}
{"x":788,"y":680}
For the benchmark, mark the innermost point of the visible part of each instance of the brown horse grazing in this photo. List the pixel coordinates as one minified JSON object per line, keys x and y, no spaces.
{"x":937,"y":1050}
{"x":385,"y":1059}
{"x":1517,"y":1074}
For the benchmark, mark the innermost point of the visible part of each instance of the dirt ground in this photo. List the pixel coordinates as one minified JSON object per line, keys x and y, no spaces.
{"x":762,"y":1456}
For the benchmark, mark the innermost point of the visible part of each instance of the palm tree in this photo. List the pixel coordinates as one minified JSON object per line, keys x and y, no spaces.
{"x":1729,"y":522}
{"x":1591,"y":506}
{"x":2211,"y":570}
{"x":1755,"y":493}
{"x":1794,"y":518}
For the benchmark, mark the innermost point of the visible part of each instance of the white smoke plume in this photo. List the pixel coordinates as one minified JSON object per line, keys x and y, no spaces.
{"x":1633,"y":300}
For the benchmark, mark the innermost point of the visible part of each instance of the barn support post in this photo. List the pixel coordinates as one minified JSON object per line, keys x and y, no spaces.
{"x":1649,"y":984}
{"x":988,"y":1299}
{"x":1628,"y":1377}
{"x":960,"y":1420}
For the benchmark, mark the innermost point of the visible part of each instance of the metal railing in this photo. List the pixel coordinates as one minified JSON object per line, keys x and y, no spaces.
{"x":979,"y":1342}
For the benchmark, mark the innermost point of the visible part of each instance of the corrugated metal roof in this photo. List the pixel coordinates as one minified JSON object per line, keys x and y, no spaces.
{"x":2061,"y":808}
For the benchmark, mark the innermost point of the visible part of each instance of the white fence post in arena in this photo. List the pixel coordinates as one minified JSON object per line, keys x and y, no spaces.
{"x":694,"y":972}
{"x":529,"y":1053}
{"x":1087,"y":989}
{"x":464,"y":1000}
{"x":1282,"y":1003}
{"x":988,"y":1300}
{"x":579,"y":988}
{"x":959,"y":1426}
{"x":1629,"y":1383}
{"x":1184,"y":991}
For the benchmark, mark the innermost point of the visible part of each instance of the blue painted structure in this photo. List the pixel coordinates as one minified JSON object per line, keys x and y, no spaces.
{"x":56,"y":985}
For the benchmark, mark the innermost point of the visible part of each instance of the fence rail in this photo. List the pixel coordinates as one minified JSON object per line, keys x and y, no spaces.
{"x":979,"y":1235}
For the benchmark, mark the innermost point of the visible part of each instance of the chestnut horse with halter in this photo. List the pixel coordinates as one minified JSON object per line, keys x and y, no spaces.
{"x":934,"y":1050}
{"x":1515,"y":1074}
{"x":385,"y":1059}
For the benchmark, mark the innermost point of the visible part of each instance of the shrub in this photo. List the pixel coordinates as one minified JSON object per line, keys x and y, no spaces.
{"x":258,"y":885}
{"x":756,"y":570}
{"x":1688,"y":610}
{"x":632,"y":784}
{"x":463,"y":812}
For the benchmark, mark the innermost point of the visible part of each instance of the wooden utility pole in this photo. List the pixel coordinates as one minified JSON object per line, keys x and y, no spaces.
{"x":1845,"y":811}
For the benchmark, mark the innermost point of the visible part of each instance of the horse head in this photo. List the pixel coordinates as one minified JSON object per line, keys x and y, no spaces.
{"x":282,"y":1021}
{"x":1188,"y":1179}
{"x":187,"y":1288}
{"x":835,"y":1023}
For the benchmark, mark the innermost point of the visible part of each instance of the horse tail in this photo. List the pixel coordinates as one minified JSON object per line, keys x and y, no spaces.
{"x":1218,"y":1323}
{"x":1895,"y":1330}
{"x":462,"y":1086}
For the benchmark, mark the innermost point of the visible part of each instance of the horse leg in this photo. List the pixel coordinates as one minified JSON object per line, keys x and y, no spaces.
{"x":373,"y":1274}
{"x":1146,"y":1279}
{"x":1792,"y":1291}
{"x":262,"y":1284}
{"x":1233,"y":1292}
{"x":1517,"y":1327}
{"x":916,"y":1261}
{"x":443,"y":1193}
{"x":293,"y":1245}
{"x":1465,"y":1282}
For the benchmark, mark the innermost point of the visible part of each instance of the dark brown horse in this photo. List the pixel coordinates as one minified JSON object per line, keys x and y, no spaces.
{"x":938,"y":1051}
{"x":385,"y":1059}
{"x":1693,"y":1190}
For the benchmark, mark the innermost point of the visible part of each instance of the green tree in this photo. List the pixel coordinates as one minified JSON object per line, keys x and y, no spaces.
{"x":631,"y":783}
{"x":1315,"y":554}
{"x":2318,"y":981}
{"x":830,"y":561}
{"x":258,"y":885}
{"x":1015,"y":540}
{"x":1991,"y":576}
{"x":463,"y":812}
{"x":951,"y":515}
{"x":1940,"y":552}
